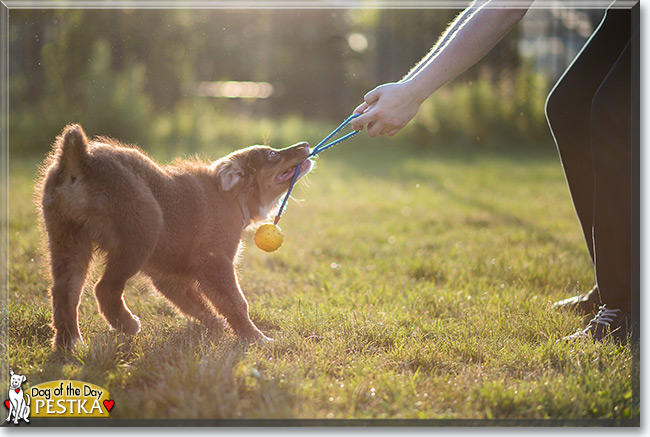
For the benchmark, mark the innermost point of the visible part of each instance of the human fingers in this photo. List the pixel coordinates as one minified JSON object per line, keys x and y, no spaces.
{"x":366,"y":117}
{"x":374,"y":129}
{"x":372,"y":96}
{"x":361,"y":108}
{"x":385,"y":130}
{"x":354,"y":123}
{"x":390,"y":130}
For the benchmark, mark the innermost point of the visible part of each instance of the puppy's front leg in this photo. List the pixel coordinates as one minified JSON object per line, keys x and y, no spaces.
{"x":19,"y":408}
{"x":218,"y":281}
{"x":15,"y":404}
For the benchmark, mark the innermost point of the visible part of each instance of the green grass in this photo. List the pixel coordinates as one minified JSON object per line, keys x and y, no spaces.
{"x":412,"y":284}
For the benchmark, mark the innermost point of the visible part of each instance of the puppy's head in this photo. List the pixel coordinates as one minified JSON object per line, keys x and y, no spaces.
{"x":16,"y":380}
{"x":259,"y":176}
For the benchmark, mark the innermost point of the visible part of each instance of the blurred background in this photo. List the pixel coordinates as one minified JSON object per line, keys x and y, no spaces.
{"x":186,"y":81}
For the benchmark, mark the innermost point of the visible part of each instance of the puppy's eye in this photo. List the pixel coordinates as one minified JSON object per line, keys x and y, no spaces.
{"x":272,"y":154}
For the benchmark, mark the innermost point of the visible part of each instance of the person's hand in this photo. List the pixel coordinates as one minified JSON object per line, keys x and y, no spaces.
{"x":387,"y":109}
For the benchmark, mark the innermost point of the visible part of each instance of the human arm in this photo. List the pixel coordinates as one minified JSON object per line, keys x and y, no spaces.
{"x":389,"y":107}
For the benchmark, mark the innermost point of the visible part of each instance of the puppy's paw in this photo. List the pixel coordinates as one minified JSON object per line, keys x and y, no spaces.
{"x":125,"y":323}
{"x":264,"y":340}
{"x":261,"y":341}
{"x":254,"y":337}
{"x":130,"y":325}
{"x":62,"y":342}
{"x":214,"y":325}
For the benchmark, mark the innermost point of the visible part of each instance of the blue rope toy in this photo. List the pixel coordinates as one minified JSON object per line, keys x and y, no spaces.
{"x":320,"y":147}
{"x":268,"y":237}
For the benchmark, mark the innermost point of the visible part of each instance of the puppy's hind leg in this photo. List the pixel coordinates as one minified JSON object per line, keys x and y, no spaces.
{"x":130,"y":239}
{"x":70,"y":255}
{"x":185,"y":295}
{"x":26,"y":409}
{"x":109,"y":291}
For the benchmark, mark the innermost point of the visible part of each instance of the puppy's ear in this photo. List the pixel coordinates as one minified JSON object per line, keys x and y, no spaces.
{"x":11,"y":372}
{"x":230,"y":173}
{"x":23,"y":378}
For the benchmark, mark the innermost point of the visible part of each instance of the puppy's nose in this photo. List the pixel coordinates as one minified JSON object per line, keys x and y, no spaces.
{"x":301,"y":148}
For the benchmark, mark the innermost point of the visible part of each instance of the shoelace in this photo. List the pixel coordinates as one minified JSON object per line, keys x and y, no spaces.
{"x":605,"y":316}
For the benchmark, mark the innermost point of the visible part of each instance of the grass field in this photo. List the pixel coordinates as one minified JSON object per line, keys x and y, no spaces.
{"x":412,"y":284}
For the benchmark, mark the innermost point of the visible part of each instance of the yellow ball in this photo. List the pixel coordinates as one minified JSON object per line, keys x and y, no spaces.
{"x":268,"y":237}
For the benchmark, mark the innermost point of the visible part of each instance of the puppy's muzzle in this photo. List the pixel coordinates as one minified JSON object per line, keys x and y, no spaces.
{"x":298,"y":154}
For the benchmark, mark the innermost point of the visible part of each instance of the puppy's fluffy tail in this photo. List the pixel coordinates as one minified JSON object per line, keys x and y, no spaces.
{"x":74,"y":149}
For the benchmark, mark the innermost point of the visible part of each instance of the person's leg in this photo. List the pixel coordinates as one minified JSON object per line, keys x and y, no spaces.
{"x":568,"y":110}
{"x":611,"y":138}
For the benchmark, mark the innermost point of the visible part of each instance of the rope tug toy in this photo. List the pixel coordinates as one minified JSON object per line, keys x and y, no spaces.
{"x":268,"y":236}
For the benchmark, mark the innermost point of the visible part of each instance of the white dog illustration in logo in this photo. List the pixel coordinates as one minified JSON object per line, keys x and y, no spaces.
{"x":18,"y":400}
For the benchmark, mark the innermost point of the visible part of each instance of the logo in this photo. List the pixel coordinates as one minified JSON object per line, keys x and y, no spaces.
{"x":18,"y":402}
{"x":53,"y":399}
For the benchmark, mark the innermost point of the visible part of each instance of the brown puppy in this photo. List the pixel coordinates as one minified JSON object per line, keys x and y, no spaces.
{"x":180,"y":225}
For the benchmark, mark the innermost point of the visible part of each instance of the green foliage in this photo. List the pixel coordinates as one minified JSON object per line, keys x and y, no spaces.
{"x":114,"y":103}
{"x":411,"y":284}
{"x":104,"y":102}
{"x":482,"y":112}
{"x":197,"y":127}
{"x":130,"y":74}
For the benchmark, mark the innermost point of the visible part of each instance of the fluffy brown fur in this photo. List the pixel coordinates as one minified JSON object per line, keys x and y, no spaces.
{"x":180,"y":225}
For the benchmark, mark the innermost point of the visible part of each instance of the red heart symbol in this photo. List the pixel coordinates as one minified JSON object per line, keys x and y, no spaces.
{"x":7,"y":403}
{"x":17,"y":390}
{"x":108,"y":404}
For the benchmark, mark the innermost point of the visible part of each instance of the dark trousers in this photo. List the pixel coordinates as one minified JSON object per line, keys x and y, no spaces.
{"x":591,"y":114}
